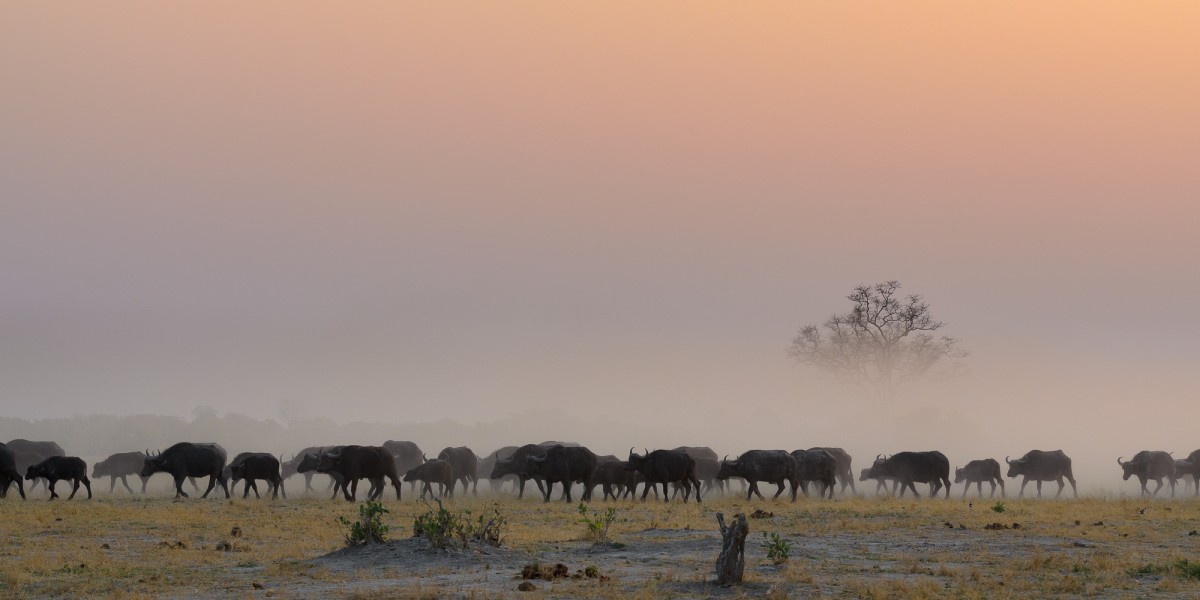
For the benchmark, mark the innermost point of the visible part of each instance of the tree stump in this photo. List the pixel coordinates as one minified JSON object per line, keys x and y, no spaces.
{"x":732,"y":560}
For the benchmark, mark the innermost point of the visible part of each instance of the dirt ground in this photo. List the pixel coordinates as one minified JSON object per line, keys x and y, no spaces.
{"x":130,"y":547}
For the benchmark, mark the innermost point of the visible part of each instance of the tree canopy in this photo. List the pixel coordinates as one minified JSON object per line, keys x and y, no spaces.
{"x":883,"y":343}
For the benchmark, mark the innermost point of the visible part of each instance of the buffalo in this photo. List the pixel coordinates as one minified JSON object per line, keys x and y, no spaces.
{"x":70,"y":468}
{"x":436,"y":471}
{"x":978,"y":472}
{"x":613,"y":479}
{"x":406,"y":454}
{"x":9,"y":473}
{"x":187,"y":459}
{"x":311,"y":463}
{"x":565,"y":465}
{"x":665,"y":467}
{"x":27,"y":453}
{"x":1042,"y":465}
{"x":292,"y":466}
{"x":514,"y":465}
{"x":465,"y":464}
{"x":120,"y":466}
{"x":257,"y":465}
{"x":914,"y":467}
{"x":880,"y":481}
{"x":818,"y":465}
{"x":845,"y":473}
{"x":1189,"y":466}
{"x":353,"y":463}
{"x":770,"y":466}
{"x":1150,"y":464}
{"x":487,"y":465}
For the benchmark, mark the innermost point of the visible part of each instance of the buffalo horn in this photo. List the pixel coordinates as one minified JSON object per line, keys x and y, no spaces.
{"x":1007,"y":461}
{"x":647,"y":451}
{"x":1119,"y":461}
{"x":631,"y":451}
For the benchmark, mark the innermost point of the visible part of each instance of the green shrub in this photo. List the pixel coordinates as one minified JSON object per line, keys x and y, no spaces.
{"x":597,"y":524}
{"x":778,"y":549}
{"x":369,"y":528}
{"x":998,"y":507}
{"x":444,"y":529}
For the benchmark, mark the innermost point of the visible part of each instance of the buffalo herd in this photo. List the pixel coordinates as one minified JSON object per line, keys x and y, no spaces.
{"x":685,"y":471}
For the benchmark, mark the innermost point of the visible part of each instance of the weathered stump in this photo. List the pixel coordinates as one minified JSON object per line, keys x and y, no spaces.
{"x":732,"y":560}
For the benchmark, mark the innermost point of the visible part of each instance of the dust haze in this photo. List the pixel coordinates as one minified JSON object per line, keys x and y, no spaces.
{"x":324,"y":224}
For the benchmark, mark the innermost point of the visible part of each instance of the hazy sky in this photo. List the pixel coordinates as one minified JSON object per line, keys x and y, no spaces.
{"x":414,"y":211}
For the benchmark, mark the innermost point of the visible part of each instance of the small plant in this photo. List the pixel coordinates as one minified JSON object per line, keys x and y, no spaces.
{"x":778,"y":549}
{"x":444,"y":529}
{"x":998,"y":507}
{"x":597,"y":523}
{"x":369,"y":528}
{"x":1186,"y":568}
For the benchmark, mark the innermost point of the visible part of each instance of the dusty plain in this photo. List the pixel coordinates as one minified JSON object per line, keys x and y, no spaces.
{"x":124,"y":546}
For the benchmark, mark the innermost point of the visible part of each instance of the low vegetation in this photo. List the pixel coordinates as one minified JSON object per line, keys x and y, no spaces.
{"x":121,"y":546}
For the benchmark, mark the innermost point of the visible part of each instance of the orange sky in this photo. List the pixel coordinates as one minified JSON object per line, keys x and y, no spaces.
{"x":467,"y":209}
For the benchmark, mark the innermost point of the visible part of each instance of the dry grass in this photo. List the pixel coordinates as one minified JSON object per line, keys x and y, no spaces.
{"x":856,"y":547}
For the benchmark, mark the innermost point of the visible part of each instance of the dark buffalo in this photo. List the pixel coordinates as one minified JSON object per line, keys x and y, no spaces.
{"x":664,"y":467}
{"x":406,"y":454}
{"x":914,"y":467}
{"x":310,"y":463}
{"x":120,"y":466}
{"x":52,"y":469}
{"x":1150,"y":464}
{"x":769,"y":466}
{"x":9,"y":473}
{"x":465,"y":464}
{"x":187,"y":459}
{"x":436,"y":471}
{"x":353,"y":463}
{"x":1042,"y":465}
{"x":1189,"y":466}
{"x":514,"y":465}
{"x":487,"y":465}
{"x":880,"y":481}
{"x":613,"y":479}
{"x":565,"y":465}
{"x":28,"y":453}
{"x":257,"y":465}
{"x":817,"y":465}
{"x":978,"y":472}
{"x":292,"y":467}
{"x":844,"y":472}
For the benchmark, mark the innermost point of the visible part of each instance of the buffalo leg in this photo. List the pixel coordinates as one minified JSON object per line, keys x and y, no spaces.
{"x":125,"y":482}
{"x":754,"y":490}
{"x":112,"y":483}
{"x":50,"y":485}
{"x":1024,"y":480}
{"x":1039,"y":488}
{"x":212,"y":483}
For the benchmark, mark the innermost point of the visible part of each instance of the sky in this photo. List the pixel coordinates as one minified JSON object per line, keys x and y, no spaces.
{"x":407,"y":212}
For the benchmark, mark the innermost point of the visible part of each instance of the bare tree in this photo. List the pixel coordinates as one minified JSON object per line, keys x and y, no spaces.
{"x":882,"y":344}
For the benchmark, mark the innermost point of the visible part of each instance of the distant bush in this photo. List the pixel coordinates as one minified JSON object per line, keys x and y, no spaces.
{"x":998,"y":507}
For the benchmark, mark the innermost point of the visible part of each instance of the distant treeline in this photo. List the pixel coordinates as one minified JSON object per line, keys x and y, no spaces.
{"x":93,"y":436}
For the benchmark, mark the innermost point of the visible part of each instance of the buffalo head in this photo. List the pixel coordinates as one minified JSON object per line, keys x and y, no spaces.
{"x":1015,"y":467}
{"x":153,"y":464}
{"x":1128,"y":468}
{"x":958,"y":475}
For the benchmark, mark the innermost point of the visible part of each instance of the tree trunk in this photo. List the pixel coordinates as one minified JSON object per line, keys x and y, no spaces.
{"x":732,"y":560}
